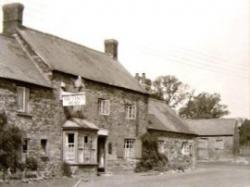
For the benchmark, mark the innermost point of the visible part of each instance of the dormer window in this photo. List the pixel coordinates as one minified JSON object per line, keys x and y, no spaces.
{"x":23,"y":95}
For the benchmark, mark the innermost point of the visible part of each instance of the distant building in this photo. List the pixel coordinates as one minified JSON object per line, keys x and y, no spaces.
{"x":218,"y":139}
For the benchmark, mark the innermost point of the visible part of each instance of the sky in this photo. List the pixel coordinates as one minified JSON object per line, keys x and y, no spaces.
{"x":204,"y":43}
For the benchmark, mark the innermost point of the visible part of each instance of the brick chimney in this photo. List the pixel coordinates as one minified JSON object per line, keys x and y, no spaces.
{"x":111,"y":48}
{"x":12,"y":17}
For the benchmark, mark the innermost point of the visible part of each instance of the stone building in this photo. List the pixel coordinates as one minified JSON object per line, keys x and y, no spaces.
{"x":175,"y":139}
{"x":218,"y":139}
{"x":73,"y":104}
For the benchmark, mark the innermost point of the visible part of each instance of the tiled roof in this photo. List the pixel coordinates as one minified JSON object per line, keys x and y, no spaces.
{"x":163,"y":118}
{"x":75,"y":59}
{"x":16,"y":65}
{"x":208,"y":127}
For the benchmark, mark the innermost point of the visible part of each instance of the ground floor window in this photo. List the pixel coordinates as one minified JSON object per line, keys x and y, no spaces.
{"x":186,"y":148}
{"x":24,"y":153}
{"x":86,"y":149}
{"x":129,"y":148}
{"x":219,"y":144}
{"x":80,"y":147}
{"x":161,"y":148}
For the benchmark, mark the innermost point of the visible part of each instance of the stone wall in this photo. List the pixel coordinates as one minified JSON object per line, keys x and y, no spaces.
{"x":47,"y":116}
{"x":173,"y":148}
{"x":116,"y":123}
{"x":215,"y":148}
{"x":38,"y":124}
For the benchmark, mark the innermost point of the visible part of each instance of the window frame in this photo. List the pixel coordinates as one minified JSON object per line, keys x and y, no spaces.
{"x":131,"y":110}
{"x":129,"y":148}
{"x":44,"y":145}
{"x":104,"y":107}
{"x":23,"y":98}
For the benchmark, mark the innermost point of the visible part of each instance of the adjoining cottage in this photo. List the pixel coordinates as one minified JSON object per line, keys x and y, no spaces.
{"x":73,"y":104}
{"x":175,"y":139}
{"x":218,"y":139}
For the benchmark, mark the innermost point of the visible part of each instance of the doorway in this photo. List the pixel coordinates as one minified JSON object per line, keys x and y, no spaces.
{"x":101,"y":153}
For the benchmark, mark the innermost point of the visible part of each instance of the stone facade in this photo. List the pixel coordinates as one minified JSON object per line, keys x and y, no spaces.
{"x":47,"y":115}
{"x":180,"y":149}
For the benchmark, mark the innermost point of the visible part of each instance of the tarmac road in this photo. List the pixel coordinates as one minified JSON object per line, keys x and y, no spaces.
{"x":206,"y":175}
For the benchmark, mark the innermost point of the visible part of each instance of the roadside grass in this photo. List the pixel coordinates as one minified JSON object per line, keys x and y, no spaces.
{"x":58,"y":182}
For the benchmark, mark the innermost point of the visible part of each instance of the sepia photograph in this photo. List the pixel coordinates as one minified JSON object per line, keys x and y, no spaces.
{"x":117,"y":93}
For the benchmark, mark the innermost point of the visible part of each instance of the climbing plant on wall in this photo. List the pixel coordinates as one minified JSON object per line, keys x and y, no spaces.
{"x":151,"y":158}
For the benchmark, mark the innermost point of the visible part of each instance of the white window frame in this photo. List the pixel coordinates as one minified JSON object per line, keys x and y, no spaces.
{"x":185,"y":148}
{"x":129,"y":148}
{"x":161,"y":148}
{"x":88,"y":148}
{"x":104,"y":107}
{"x":23,"y":95}
{"x":131,"y":111}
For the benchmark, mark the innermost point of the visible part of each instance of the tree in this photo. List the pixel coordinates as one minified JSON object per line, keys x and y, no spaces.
{"x":245,"y":133}
{"x":205,"y":106}
{"x":10,"y":142}
{"x":170,"y":89}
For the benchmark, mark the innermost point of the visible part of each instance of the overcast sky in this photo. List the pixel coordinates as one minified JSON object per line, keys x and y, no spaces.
{"x":202,"y":42}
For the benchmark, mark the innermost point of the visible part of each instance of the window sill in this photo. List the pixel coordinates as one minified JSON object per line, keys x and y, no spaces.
{"x":130,"y":118}
{"x":104,"y":114}
{"x":83,"y":164}
{"x":25,"y":114}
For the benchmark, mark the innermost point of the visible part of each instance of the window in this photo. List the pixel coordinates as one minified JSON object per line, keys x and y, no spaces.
{"x":104,"y":106}
{"x":86,"y":150}
{"x":23,"y":99}
{"x":161,"y":146}
{"x":186,"y":149}
{"x":71,"y":140}
{"x":219,"y":144}
{"x":44,"y":146}
{"x":25,"y":145}
{"x":69,"y":147}
{"x":110,"y":148}
{"x":131,"y":111}
{"x":24,"y":153}
{"x":129,"y":148}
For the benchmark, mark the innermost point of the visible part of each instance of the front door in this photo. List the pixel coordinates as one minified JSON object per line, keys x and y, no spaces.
{"x":101,"y":153}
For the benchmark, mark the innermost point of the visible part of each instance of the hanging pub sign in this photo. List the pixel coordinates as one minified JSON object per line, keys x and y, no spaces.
{"x":73,"y":99}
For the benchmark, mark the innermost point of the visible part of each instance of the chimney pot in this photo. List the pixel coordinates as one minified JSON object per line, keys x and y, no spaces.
{"x":111,"y":48}
{"x":12,"y":17}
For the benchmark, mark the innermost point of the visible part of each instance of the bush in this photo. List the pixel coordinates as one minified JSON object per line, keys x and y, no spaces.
{"x":31,"y":164}
{"x":66,"y":170}
{"x":151,"y":158}
{"x":10,"y":142}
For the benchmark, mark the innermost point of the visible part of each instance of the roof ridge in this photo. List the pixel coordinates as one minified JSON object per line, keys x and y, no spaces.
{"x":66,"y":40}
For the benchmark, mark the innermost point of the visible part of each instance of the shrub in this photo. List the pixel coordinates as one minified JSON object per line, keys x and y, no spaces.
{"x":66,"y":170}
{"x":10,"y":142}
{"x":31,"y":164}
{"x":151,"y":158}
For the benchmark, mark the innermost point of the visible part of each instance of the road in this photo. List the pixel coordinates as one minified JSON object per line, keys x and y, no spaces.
{"x":206,"y":175}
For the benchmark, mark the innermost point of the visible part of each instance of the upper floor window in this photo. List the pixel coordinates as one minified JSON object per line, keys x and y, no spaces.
{"x":23,"y":95}
{"x":131,"y":111}
{"x":104,"y":106}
